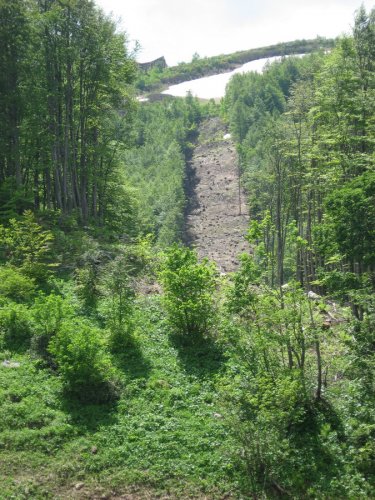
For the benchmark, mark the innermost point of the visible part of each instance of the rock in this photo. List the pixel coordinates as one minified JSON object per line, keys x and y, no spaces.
{"x":79,"y":486}
{"x":94,"y":450}
{"x":217,"y":415}
{"x":11,"y":364}
{"x":313,"y":296}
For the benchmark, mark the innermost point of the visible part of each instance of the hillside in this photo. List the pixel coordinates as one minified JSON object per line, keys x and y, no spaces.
{"x":158,"y":76}
{"x":217,"y":216}
{"x":163,"y":438}
{"x":140,"y":357}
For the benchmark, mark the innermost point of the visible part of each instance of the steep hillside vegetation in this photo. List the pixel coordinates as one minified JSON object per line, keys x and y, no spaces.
{"x":130,"y":367}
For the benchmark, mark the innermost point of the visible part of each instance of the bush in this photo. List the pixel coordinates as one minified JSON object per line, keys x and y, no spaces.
{"x":117,"y":306}
{"x":87,"y":274}
{"x":16,"y":286}
{"x":27,"y":246}
{"x":189,"y":288}
{"x":48,"y":313}
{"x":86,"y":287}
{"x":83,"y":362}
{"x":15,"y":326}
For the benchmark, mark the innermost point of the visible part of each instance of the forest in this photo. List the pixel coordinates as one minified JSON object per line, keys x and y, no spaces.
{"x":129,"y":368}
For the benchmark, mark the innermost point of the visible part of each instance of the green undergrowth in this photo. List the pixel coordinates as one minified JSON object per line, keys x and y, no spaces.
{"x":165,"y":433}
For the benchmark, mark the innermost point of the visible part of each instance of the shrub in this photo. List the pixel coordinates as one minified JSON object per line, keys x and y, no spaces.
{"x":189,"y":288}
{"x":27,"y":246}
{"x":86,"y":286}
{"x":87,"y":274}
{"x":48,"y":313}
{"x":118,"y":304}
{"x":16,"y":286}
{"x":15,"y":326}
{"x":83,"y":362}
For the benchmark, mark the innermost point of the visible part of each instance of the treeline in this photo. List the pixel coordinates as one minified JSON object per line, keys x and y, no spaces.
{"x":65,"y":72}
{"x":305,"y":138}
{"x":152,"y":79}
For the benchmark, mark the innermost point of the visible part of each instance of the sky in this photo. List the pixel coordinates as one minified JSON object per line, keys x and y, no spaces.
{"x":176,"y":29}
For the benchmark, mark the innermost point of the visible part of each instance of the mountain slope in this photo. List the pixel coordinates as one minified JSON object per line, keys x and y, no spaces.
{"x":154,"y":76}
{"x":217,"y":217}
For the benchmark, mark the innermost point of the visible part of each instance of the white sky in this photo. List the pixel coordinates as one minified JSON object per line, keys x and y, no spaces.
{"x":177,"y":29}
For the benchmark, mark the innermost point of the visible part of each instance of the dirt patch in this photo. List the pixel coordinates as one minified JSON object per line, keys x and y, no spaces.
{"x":217,"y":217}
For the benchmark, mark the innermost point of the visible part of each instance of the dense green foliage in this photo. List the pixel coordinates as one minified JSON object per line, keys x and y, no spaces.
{"x":189,"y":288}
{"x":153,"y":78}
{"x":294,"y":397}
{"x":26,"y":246}
{"x":85,"y":367}
{"x":259,"y":384}
{"x":306,"y":146}
{"x":65,"y":72}
{"x":155,"y":165}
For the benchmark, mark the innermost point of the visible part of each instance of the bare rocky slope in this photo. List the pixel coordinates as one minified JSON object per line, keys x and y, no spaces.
{"x":217,"y":217}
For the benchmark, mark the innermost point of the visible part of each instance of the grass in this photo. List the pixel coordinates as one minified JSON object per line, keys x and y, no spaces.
{"x":163,"y":437}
